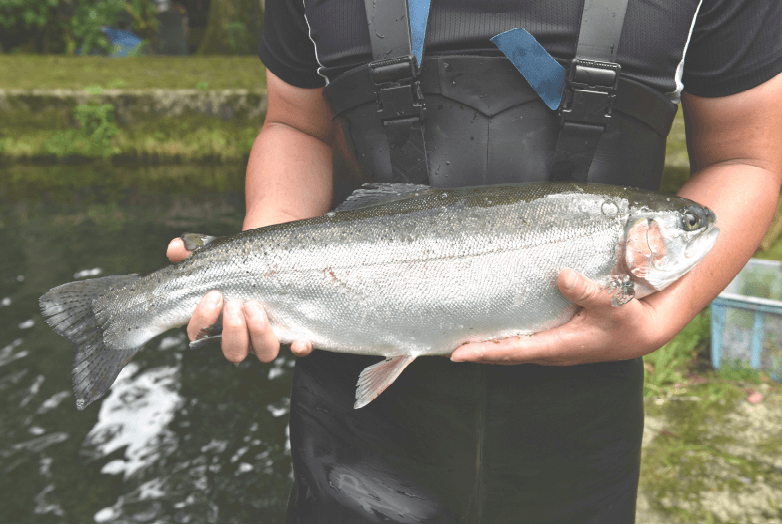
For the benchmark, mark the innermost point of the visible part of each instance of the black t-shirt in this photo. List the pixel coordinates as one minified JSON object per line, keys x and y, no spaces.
{"x":709,"y":47}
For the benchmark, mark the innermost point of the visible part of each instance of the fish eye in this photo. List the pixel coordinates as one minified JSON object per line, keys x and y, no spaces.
{"x":691,"y":221}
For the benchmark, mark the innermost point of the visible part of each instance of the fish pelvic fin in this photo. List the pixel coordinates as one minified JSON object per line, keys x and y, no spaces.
{"x":207,"y":336}
{"x":376,"y":378}
{"x":68,"y":309}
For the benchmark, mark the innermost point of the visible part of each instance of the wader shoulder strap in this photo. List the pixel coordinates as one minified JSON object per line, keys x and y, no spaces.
{"x":591,"y":89}
{"x":395,"y":71}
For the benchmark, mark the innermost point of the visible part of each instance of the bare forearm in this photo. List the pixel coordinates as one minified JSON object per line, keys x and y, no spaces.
{"x":744,"y":198}
{"x":288,"y":177}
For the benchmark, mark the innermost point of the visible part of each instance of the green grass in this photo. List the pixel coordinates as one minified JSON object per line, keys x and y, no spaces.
{"x":773,"y":253}
{"x":676,"y":150}
{"x":669,"y":365}
{"x":147,"y":72}
{"x":738,"y":371}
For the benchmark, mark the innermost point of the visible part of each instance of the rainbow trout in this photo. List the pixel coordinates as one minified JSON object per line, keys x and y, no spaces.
{"x":400,"y":271}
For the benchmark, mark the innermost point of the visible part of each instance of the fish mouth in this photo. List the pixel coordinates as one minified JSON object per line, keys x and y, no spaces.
{"x":702,"y":243}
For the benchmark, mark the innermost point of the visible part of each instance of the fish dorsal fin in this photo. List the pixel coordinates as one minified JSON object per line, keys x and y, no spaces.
{"x":375,"y":379}
{"x":371,"y":194}
{"x":194,"y":241}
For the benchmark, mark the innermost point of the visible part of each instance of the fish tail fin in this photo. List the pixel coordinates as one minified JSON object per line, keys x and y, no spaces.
{"x":68,"y":309}
{"x":374,"y":379}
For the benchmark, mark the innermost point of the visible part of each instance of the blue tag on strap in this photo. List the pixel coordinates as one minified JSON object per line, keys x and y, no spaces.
{"x":419,"y":14}
{"x":542,"y":72}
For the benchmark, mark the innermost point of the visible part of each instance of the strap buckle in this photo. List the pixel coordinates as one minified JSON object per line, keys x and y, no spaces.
{"x":397,"y":88}
{"x":590,"y":92}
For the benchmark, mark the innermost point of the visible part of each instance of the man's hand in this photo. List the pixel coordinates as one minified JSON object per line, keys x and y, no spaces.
{"x":733,"y":144}
{"x":289,"y":177}
{"x":245,"y":325}
{"x":599,"y":332}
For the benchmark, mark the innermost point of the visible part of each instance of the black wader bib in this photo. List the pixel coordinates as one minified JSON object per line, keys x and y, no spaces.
{"x":462,"y":442}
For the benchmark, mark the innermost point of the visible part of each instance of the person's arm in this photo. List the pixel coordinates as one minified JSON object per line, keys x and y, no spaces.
{"x":289,"y":177}
{"x":735,"y":147}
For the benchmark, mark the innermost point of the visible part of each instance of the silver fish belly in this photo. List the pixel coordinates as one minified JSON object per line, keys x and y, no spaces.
{"x":419,"y":274}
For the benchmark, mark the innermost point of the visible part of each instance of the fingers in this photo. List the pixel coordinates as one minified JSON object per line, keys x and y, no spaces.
{"x":245,"y":328}
{"x":176,"y":251}
{"x":580,"y":290}
{"x":264,"y":343}
{"x":236,"y":339}
{"x":301,"y":347}
{"x":555,"y":347}
{"x":207,"y":312}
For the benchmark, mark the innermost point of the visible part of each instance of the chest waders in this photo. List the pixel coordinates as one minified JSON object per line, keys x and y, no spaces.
{"x":471,"y":443}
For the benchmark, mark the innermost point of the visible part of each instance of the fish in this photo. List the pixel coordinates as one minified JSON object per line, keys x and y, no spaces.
{"x":399,"y":271}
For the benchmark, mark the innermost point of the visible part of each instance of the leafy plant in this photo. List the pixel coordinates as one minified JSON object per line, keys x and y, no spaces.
{"x":88,"y":17}
{"x":93,"y":138}
{"x":143,"y":13}
{"x":667,"y":365}
{"x":69,"y":26}
{"x":738,"y":370}
{"x":21,"y":19}
{"x":139,"y":50}
{"x":238,"y":37}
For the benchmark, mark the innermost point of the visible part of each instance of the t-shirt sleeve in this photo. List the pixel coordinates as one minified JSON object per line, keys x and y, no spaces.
{"x":286,"y":48}
{"x":735,"y":45}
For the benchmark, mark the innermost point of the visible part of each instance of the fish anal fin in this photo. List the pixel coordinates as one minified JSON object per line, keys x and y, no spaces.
{"x":376,"y":378}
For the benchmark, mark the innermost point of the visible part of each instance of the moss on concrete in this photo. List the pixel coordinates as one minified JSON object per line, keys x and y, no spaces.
{"x":154,"y":125}
{"x":712,"y":456}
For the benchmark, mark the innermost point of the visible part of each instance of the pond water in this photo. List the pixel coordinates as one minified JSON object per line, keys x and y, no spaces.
{"x":183,"y":435}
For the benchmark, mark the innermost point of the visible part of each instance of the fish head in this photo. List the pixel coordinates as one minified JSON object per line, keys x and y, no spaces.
{"x":664,"y":241}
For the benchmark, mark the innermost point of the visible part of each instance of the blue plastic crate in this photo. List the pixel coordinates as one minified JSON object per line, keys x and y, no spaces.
{"x":746,"y":319}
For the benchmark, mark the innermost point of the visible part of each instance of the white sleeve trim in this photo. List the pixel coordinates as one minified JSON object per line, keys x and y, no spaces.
{"x":675,"y":96}
{"x":309,"y":33}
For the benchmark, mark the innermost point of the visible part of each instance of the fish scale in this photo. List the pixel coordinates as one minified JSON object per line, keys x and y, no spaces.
{"x":398,"y":271}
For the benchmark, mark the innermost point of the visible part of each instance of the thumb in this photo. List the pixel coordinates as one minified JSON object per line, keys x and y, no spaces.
{"x":177,"y":251}
{"x":580,"y":290}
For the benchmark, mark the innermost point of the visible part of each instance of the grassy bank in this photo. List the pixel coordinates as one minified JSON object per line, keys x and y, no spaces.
{"x":147,"y":72}
{"x":43,"y":130}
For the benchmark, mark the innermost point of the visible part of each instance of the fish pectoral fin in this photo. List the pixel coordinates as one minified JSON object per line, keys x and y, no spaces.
{"x":375,"y":379}
{"x":195,"y":240}
{"x":621,"y":288}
